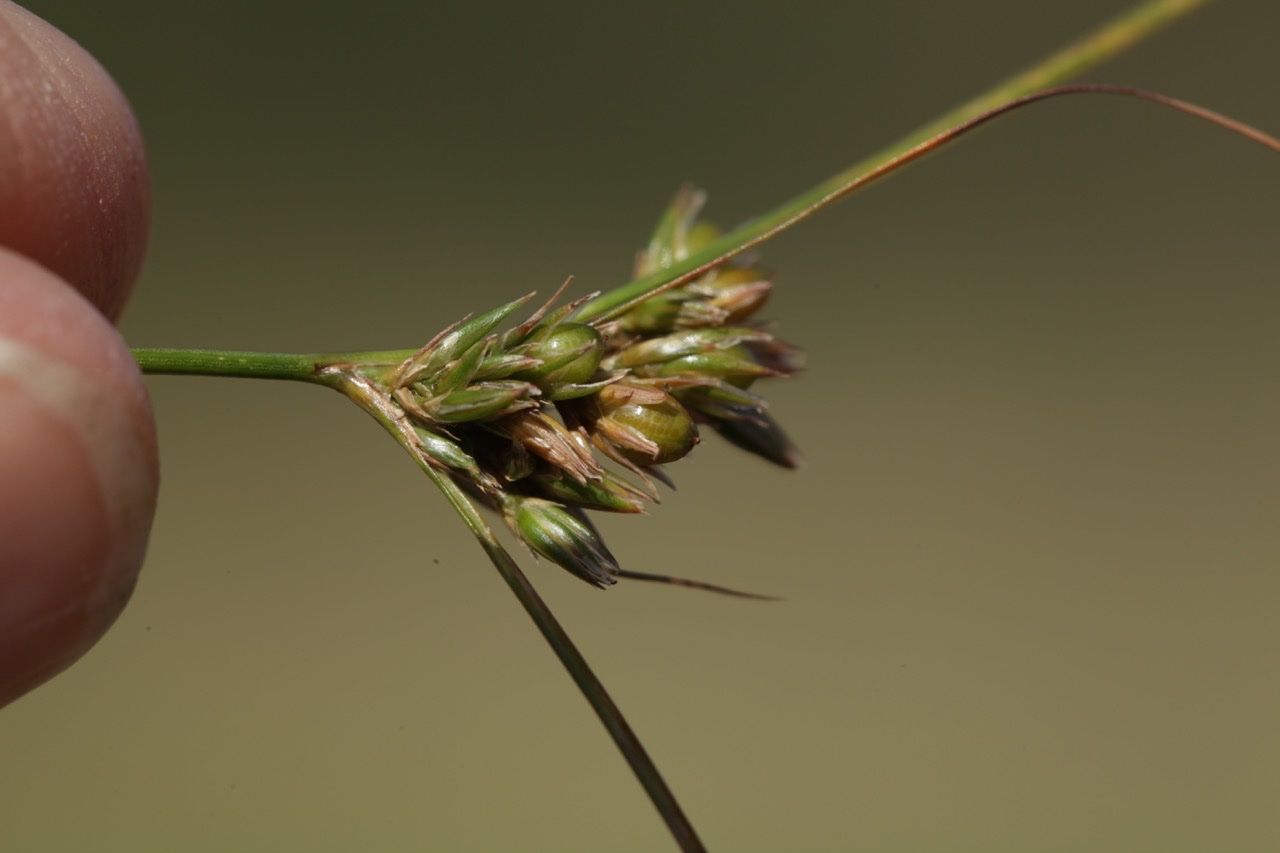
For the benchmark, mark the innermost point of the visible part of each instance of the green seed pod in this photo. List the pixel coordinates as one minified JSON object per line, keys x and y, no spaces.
{"x":570,"y":354}
{"x":645,"y":425}
{"x":668,"y":347}
{"x":734,"y":365}
{"x":555,"y":532}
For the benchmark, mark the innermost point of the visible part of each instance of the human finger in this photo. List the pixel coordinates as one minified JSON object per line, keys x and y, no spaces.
{"x":78,"y":474}
{"x":74,"y":186}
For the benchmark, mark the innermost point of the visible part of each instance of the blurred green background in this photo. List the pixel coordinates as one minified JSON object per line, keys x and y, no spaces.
{"x":1030,"y":569}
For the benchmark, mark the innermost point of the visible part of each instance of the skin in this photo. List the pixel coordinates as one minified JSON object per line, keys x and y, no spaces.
{"x":78,"y":463}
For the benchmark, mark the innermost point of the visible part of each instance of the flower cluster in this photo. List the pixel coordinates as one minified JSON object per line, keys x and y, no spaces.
{"x":555,"y":416}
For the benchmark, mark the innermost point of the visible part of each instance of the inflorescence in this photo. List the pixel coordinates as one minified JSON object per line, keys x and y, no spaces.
{"x":555,"y":417}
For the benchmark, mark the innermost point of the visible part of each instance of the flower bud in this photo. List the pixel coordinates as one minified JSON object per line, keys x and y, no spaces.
{"x":557,"y":533}
{"x":760,"y":434}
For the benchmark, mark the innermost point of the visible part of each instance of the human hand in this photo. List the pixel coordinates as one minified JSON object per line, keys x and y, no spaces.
{"x":78,"y":464}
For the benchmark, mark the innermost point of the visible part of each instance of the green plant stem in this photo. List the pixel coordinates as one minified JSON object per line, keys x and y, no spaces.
{"x":1112,"y":38}
{"x":209,"y":362}
{"x":299,"y":367}
{"x":362,"y":391}
{"x":637,"y":757}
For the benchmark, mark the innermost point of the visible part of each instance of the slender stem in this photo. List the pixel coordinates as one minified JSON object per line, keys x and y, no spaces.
{"x":637,"y":757}
{"x":302,"y":367}
{"x":362,"y":391}
{"x":1101,"y":45}
{"x":932,"y":143}
{"x":252,"y":365}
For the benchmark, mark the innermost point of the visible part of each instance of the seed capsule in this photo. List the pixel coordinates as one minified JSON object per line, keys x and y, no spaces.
{"x":645,"y":425}
{"x":569,"y":354}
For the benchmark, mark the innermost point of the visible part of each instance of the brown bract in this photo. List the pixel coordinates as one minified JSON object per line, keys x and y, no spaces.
{"x":74,"y":188}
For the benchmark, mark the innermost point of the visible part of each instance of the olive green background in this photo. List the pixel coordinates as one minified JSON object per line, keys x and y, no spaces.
{"x":1031,"y":569}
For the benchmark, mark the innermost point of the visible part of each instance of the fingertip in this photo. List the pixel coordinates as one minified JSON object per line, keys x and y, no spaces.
{"x":75,"y":191}
{"x":78,"y":475}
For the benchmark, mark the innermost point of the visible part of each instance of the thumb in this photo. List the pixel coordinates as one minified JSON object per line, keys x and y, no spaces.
{"x":78,"y":474}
